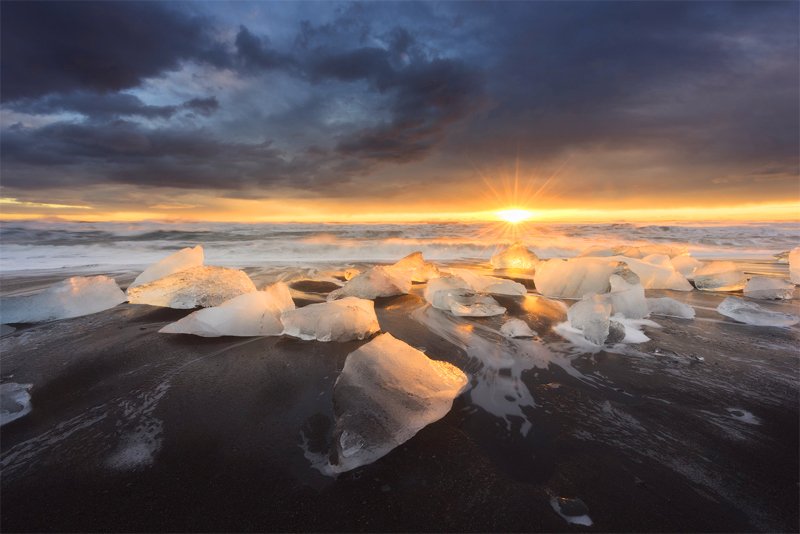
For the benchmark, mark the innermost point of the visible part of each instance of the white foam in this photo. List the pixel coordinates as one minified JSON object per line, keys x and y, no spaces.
{"x":15,"y":401}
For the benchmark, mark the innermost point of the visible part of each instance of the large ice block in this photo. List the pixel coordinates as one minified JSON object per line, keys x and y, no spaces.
{"x":574,"y":278}
{"x":719,"y":276}
{"x":516,"y":256}
{"x":686,"y":265}
{"x":378,"y":281}
{"x":591,"y":315}
{"x":670,"y":307}
{"x":751,"y":313}
{"x":765,"y":287}
{"x":438,"y":290}
{"x":338,"y":320}
{"x":174,"y":263}
{"x":387,"y":392}
{"x":627,"y":297}
{"x":193,"y":287}
{"x":490,"y":284}
{"x":74,"y":297}
{"x":414,"y":267}
{"x":251,"y":314}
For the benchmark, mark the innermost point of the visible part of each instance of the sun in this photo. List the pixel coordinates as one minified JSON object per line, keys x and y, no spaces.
{"x":514,"y":215}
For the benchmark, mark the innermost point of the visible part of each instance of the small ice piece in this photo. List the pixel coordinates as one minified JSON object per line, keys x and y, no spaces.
{"x":573,"y":511}
{"x":719,"y":276}
{"x":627,"y":296}
{"x":252,"y":314}
{"x":193,"y":287}
{"x":174,"y":263}
{"x":467,"y":303}
{"x":338,"y":320}
{"x":574,"y":278}
{"x":438,"y":290}
{"x":415,"y":268}
{"x":74,"y":297}
{"x":386,"y":393}
{"x":516,"y":328}
{"x":378,"y":281}
{"x":751,"y":313}
{"x":15,"y":401}
{"x":591,"y":315}
{"x":490,"y":284}
{"x":764,"y":287}
{"x":516,"y":256}
{"x":670,"y":307}
{"x":794,"y":266}
{"x":686,"y":265}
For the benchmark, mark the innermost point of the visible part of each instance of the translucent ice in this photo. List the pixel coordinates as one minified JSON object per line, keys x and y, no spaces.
{"x":794,"y":265}
{"x":490,"y":284}
{"x":633,"y":251}
{"x":719,"y":276}
{"x":387,"y":392}
{"x":575,"y":277}
{"x":671,"y":307}
{"x":193,"y":287}
{"x":516,"y":328}
{"x":467,"y":303}
{"x":627,"y":297}
{"x":686,"y":265}
{"x":415,"y":268}
{"x":74,"y":297}
{"x":174,"y":263}
{"x":378,"y":281}
{"x":592,"y":316}
{"x":516,"y":256}
{"x":438,"y":290}
{"x":15,"y":401}
{"x":338,"y":320}
{"x":751,"y":313}
{"x":656,"y":272}
{"x":251,"y":314}
{"x":764,"y":287}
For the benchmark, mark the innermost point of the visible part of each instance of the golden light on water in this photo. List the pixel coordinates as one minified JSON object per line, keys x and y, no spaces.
{"x":514,"y":215}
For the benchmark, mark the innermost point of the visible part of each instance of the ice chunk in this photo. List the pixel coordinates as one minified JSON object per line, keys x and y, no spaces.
{"x":671,"y":307}
{"x":591,"y":315}
{"x":438,"y":290}
{"x":719,"y":276}
{"x":627,"y":296}
{"x":751,"y":313}
{"x":575,"y":277}
{"x":15,"y":401}
{"x":490,"y":284}
{"x":794,"y":266}
{"x":415,"y":268}
{"x":252,"y":314}
{"x":74,"y":297}
{"x":378,"y":281}
{"x":516,"y":256}
{"x":193,"y":287}
{"x":516,"y":328}
{"x":656,"y":272}
{"x":338,"y":320}
{"x":467,"y":303}
{"x":387,"y":392}
{"x":174,"y":263}
{"x":633,"y":251}
{"x":764,"y":287}
{"x":686,"y":265}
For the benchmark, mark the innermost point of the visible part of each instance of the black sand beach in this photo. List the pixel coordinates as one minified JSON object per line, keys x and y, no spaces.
{"x":131,"y":430}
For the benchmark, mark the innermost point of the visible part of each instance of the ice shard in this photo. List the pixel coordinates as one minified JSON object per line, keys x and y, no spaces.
{"x":180,"y":261}
{"x":378,"y":281}
{"x":670,"y":307}
{"x":719,"y":276}
{"x":338,"y":320}
{"x":768,"y":288}
{"x":516,"y":256}
{"x":193,"y":287}
{"x":751,"y":313}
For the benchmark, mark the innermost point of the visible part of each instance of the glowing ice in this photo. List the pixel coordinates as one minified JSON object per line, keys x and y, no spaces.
{"x":686,"y":265}
{"x":490,"y":284}
{"x":386,"y":393}
{"x":252,"y":314}
{"x":671,"y":307}
{"x":193,"y":287}
{"x":764,"y":287}
{"x":574,"y":278}
{"x":378,"y":281}
{"x":794,"y":265}
{"x":591,"y":315}
{"x":338,"y":320}
{"x":467,"y":303}
{"x":438,"y":290}
{"x":639,"y":252}
{"x":15,"y":401}
{"x":415,"y":268}
{"x":656,"y":272}
{"x":74,"y":297}
{"x":174,"y":263}
{"x":516,"y":328}
{"x":751,"y":313}
{"x":516,"y":256}
{"x":719,"y":276}
{"x":627,"y":296}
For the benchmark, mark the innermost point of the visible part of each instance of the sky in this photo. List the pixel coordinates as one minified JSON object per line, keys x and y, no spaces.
{"x":326,"y":111}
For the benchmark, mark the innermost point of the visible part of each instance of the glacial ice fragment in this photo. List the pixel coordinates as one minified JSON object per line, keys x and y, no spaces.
{"x":378,"y":281}
{"x":719,"y":276}
{"x":387,"y":392}
{"x":74,"y":297}
{"x":627,"y":297}
{"x":174,"y":263}
{"x":656,"y":272}
{"x":193,"y":287}
{"x":438,"y":290}
{"x":765,"y":287}
{"x":467,"y":303}
{"x":490,"y":284}
{"x":516,"y":256}
{"x":338,"y":320}
{"x":591,"y":315}
{"x":251,"y":314}
{"x":516,"y":328}
{"x":751,"y":313}
{"x":15,"y":401}
{"x":574,"y":278}
{"x":670,"y":307}
{"x":686,"y":265}
{"x":414,"y":267}
{"x":794,"y":266}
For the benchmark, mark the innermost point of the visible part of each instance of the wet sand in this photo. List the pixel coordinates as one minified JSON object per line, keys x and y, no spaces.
{"x":131,"y":430}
